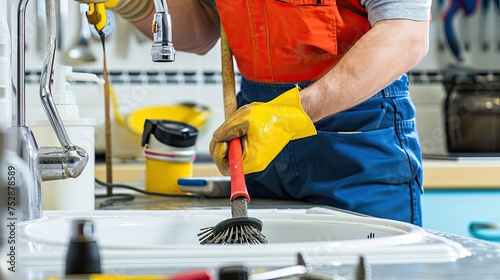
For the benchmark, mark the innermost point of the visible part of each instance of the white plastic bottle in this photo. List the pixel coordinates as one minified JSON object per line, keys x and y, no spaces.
{"x":76,"y":194}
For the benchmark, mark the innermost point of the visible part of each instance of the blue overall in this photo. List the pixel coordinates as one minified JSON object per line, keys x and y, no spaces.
{"x":366,"y":159}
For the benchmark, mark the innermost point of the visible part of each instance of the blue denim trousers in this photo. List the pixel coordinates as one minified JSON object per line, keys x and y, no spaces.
{"x":366,"y":159}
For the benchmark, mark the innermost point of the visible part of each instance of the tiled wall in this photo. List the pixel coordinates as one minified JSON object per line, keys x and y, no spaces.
{"x":137,"y":81}
{"x":140,"y":82}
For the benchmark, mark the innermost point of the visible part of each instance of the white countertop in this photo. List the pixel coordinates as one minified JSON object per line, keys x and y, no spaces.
{"x":438,"y":174}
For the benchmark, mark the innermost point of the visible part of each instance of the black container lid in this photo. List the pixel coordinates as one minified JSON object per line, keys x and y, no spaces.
{"x":172,"y":133}
{"x":234,"y":273}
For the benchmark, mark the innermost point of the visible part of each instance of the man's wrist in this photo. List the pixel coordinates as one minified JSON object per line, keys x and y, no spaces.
{"x":132,"y":10}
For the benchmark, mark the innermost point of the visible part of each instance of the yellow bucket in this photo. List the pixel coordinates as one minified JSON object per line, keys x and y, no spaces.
{"x":189,"y":113}
{"x":127,"y":130}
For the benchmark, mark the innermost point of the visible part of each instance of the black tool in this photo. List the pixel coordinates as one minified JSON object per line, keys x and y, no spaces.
{"x":83,"y":253}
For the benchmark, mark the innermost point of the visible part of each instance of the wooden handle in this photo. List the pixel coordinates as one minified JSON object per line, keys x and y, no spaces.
{"x":228,"y":85}
{"x":234,"y":153}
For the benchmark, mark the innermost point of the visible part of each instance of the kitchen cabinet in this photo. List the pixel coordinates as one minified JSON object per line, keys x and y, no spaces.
{"x":461,"y":192}
{"x":454,"y":210}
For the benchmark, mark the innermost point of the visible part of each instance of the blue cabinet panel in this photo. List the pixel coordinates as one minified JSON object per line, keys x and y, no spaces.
{"x":453,"y":211}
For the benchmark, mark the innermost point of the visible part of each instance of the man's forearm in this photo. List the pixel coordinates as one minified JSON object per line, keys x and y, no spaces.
{"x":388,"y":50}
{"x":195,"y":25}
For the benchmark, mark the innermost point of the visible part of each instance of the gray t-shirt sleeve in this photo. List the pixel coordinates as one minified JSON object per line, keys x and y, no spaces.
{"x":419,"y":10}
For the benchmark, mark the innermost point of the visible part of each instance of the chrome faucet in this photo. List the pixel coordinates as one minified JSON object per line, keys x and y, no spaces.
{"x":32,"y":164}
{"x":162,"y":49}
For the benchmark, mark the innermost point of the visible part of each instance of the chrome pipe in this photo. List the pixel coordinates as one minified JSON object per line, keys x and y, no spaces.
{"x":46,"y":77}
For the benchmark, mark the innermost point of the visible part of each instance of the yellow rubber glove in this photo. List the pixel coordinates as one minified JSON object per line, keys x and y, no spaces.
{"x":90,"y":1}
{"x":265,"y":129}
{"x":132,"y":10}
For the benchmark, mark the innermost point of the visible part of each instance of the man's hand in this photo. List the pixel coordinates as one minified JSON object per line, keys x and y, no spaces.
{"x":265,"y":127}
{"x":90,"y":1}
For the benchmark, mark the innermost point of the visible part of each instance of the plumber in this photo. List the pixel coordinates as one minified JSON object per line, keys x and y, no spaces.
{"x":325,"y":112}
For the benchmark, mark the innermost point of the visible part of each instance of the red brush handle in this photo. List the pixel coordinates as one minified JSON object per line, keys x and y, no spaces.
{"x":202,"y":274}
{"x":235,"y":158}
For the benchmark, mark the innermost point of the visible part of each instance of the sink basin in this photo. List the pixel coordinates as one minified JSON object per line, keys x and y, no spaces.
{"x":169,"y":238}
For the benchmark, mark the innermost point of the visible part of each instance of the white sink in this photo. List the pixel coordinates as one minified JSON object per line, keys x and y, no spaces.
{"x":159,"y":238}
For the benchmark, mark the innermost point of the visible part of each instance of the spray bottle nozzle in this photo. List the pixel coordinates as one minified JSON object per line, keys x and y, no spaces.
{"x":64,"y":97}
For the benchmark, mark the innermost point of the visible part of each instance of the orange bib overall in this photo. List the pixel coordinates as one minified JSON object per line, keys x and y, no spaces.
{"x":278,"y":41}
{"x":376,"y":169}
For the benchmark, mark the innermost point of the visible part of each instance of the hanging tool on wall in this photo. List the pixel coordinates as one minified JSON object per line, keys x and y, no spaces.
{"x":485,"y":45}
{"x":468,"y":7}
{"x":62,"y":18}
{"x":103,"y":23}
{"x":40,"y":27}
{"x":439,"y":10}
{"x":497,"y":22}
{"x":81,"y":51}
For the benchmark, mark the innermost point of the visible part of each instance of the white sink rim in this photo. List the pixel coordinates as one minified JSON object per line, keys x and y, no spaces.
{"x":415,"y":241}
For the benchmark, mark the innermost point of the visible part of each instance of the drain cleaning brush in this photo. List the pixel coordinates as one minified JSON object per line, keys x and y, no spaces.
{"x":240,"y":229}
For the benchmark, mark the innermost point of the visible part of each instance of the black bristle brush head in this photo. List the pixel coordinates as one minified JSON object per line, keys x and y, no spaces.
{"x":243,"y":230}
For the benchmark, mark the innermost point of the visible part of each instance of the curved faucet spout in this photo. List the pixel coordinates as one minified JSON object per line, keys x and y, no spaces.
{"x":37,"y":164}
{"x":68,"y":161}
{"x":46,"y":78}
